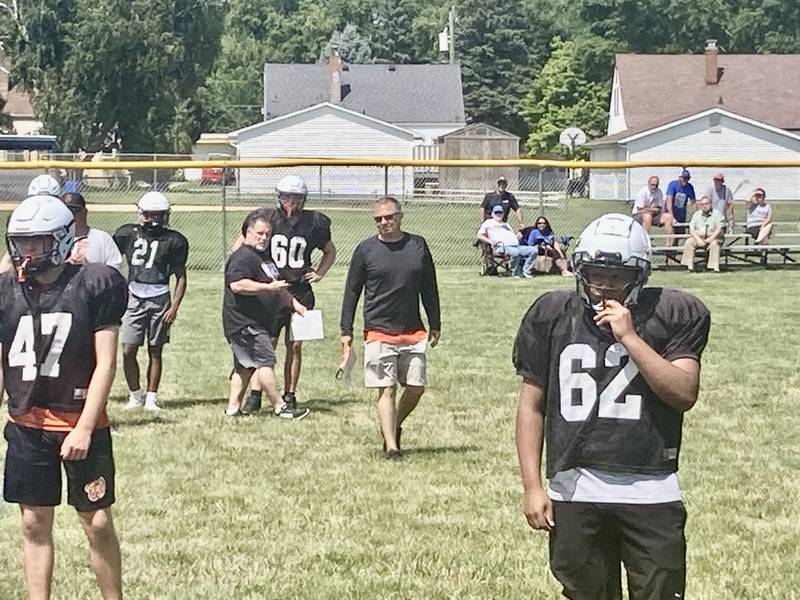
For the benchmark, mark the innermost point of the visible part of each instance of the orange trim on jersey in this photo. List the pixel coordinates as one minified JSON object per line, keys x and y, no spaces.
{"x":411,"y":337}
{"x":54,"y":420}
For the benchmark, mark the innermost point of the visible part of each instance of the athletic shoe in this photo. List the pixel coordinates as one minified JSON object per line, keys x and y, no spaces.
{"x":252,"y":405}
{"x":133,"y":402}
{"x":290,"y":399}
{"x":152,"y":407}
{"x":236,"y":413}
{"x":284,"y":412}
{"x":393,"y":455}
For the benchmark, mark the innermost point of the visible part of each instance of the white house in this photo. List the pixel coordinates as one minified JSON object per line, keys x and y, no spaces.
{"x":326,"y":130}
{"x":710,"y":106}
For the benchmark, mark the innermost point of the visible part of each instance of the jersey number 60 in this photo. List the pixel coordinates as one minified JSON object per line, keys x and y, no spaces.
{"x":288,"y":252}
{"x":571,"y":381}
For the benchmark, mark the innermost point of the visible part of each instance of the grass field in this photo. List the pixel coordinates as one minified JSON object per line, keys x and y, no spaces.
{"x":212,"y":508}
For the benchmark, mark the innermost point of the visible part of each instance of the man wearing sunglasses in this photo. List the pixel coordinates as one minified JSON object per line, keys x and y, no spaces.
{"x":91,"y":244}
{"x":395,"y":269}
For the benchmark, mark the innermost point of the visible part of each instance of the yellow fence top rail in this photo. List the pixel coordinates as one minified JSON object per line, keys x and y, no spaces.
{"x":387,"y":162}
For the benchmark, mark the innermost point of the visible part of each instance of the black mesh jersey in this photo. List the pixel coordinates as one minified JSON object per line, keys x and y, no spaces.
{"x":599,"y":410}
{"x":153,"y":255}
{"x":48,"y":335}
{"x":293,"y":242}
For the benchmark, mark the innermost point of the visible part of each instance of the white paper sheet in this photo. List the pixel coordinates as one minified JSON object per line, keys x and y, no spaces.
{"x":308,"y":327}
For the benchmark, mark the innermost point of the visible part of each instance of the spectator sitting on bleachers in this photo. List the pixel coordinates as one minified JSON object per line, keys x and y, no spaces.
{"x":722,"y":199}
{"x":679,"y":194}
{"x":649,"y":208}
{"x":759,"y":216}
{"x":706,"y":230}
{"x":503,"y":241}
{"x":543,"y":238}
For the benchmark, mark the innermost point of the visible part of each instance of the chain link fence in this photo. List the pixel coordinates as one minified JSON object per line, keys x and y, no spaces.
{"x":442,"y":204}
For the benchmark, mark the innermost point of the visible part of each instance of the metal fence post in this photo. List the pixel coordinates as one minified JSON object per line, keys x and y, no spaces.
{"x":155,"y":173}
{"x":541,"y":193}
{"x":386,"y":180}
{"x":320,"y":183}
{"x":224,"y":218}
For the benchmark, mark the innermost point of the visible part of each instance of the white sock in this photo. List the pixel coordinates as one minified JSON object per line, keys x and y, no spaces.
{"x":230,"y":411}
{"x":150,"y":398}
{"x":136,"y":395}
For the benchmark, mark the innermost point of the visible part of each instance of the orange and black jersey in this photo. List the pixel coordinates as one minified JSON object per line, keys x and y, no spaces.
{"x":152,"y":254}
{"x":599,"y":410}
{"x":48,"y":335}
{"x":293,"y":242}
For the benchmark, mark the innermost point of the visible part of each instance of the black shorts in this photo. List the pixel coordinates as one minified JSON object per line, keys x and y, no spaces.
{"x":33,"y":470}
{"x":304,"y":295}
{"x":590,"y":539}
{"x":753,"y":231}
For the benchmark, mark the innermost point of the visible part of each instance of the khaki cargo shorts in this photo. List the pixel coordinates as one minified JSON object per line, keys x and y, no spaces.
{"x":387,"y":364}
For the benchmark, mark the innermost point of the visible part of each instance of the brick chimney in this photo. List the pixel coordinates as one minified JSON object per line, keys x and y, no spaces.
{"x":712,"y":72}
{"x":335,"y":79}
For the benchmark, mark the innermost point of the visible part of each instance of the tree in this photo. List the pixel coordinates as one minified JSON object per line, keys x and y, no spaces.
{"x":131,"y":66}
{"x":561,"y":97}
{"x":499,"y":48}
{"x":352,"y":47}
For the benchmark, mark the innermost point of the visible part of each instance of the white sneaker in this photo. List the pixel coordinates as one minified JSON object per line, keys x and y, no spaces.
{"x":133,"y":402}
{"x":151,"y":406}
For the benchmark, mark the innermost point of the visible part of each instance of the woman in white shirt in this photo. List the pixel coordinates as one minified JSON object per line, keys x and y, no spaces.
{"x":759,"y":216}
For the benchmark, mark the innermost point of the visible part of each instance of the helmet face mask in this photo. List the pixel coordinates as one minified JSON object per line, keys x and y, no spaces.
{"x":612,"y":261}
{"x":40,"y":235}
{"x":154,"y":211}
{"x":292,"y":192}
{"x":153,"y":219}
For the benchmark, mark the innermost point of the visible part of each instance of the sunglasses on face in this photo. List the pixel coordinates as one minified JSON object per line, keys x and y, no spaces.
{"x":387,"y":218}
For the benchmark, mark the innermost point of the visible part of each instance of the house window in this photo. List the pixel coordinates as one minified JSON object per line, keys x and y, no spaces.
{"x":715,"y":123}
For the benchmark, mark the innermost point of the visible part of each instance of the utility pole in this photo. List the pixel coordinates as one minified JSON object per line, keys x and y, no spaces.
{"x":452,"y":23}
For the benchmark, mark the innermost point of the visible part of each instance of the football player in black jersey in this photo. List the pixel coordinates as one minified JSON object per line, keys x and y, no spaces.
{"x":154,"y":253}
{"x":608,"y":371}
{"x":296,"y":233}
{"x":58,"y":330}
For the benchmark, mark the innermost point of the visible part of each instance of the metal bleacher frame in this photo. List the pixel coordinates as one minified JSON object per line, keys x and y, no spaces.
{"x":737,"y":248}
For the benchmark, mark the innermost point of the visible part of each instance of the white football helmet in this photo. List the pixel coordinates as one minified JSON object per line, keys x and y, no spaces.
{"x":44,"y":185}
{"x":37,"y":218}
{"x":620,"y":246}
{"x":289,"y":188}
{"x":153,"y":210}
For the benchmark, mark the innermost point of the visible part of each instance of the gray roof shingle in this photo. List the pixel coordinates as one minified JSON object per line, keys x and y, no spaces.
{"x":658,"y":88}
{"x":402,"y":94}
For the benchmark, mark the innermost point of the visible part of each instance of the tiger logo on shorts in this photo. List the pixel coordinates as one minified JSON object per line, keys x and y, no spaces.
{"x":95,"y":490}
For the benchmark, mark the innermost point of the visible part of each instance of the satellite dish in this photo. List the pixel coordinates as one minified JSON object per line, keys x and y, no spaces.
{"x":572,"y":137}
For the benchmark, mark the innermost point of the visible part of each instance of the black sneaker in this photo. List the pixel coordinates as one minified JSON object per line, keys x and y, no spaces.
{"x":290,"y":399}
{"x":393,"y":455}
{"x":251,"y":405}
{"x":285,"y":412}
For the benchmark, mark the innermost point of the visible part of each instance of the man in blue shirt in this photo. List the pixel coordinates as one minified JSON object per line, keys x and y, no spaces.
{"x":679,"y":193}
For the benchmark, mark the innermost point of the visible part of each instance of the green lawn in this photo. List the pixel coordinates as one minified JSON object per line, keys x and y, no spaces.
{"x":211,"y":508}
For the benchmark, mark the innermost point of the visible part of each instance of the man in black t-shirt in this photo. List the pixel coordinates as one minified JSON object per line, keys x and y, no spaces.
{"x":58,"y":331}
{"x":395,"y":270}
{"x":254,"y":298}
{"x":154,"y":253}
{"x":296,"y":233}
{"x":608,"y":371}
{"x":501,"y":197}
